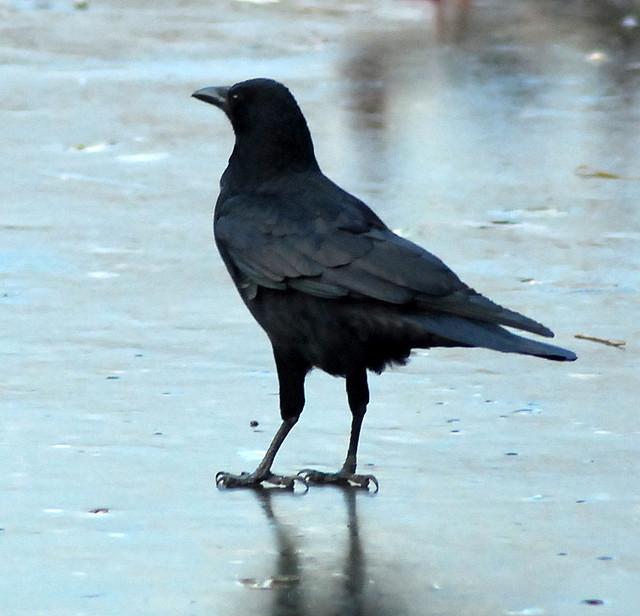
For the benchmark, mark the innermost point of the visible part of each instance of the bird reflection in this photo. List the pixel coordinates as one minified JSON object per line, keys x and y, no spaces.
{"x":295,"y":586}
{"x":286,"y":582}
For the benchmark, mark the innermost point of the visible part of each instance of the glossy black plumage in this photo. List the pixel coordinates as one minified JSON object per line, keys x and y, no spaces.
{"x":332,"y":286}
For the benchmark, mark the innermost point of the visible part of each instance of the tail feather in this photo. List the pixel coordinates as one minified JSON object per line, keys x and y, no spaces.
{"x":471,"y":304}
{"x":488,"y":335}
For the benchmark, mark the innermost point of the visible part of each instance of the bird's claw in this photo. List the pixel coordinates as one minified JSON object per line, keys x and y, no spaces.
{"x":254,"y":480}
{"x":288,"y":482}
{"x":341,"y":478}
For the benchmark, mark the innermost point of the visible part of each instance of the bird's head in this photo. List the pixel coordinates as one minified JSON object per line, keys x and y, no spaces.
{"x":267,"y":121}
{"x":256,"y":104}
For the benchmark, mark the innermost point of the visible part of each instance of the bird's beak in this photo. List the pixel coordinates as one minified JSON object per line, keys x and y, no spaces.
{"x":215,"y":95}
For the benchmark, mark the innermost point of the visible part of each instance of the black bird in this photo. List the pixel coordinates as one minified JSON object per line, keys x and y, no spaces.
{"x":331,"y":285}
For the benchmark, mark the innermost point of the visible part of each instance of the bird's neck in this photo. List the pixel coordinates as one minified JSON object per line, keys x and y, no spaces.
{"x":260,"y":159}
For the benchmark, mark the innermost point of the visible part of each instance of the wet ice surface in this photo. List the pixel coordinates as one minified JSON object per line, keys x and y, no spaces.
{"x":132,"y":372}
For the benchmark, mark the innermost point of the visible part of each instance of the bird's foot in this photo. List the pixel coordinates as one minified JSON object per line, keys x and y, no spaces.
{"x":255,"y":480}
{"x":341,"y":478}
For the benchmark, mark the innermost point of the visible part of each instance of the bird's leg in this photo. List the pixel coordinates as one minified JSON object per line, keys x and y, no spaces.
{"x":358,"y":396}
{"x":263,"y":471}
{"x":291,"y":374}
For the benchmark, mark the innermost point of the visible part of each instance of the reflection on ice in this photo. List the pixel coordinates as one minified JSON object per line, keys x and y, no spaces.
{"x":301,"y":584}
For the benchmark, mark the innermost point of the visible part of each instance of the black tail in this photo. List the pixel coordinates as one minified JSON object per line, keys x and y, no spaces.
{"x":490,"y":336}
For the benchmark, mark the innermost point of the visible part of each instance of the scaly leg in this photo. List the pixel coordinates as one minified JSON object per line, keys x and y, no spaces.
{"x":358,"y":396}
{"x":291,"y":374}
{"x":263,"y":472}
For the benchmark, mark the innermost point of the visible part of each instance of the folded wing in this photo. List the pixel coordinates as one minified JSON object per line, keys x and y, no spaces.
{"x":346,"y":255}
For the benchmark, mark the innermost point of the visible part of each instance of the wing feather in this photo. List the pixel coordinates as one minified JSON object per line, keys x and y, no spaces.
{"x":337,"y":252}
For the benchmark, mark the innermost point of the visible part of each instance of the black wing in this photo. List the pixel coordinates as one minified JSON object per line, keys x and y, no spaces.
{"x":340,"y":248}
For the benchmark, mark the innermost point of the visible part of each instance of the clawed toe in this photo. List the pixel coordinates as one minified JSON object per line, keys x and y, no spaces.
{"x":255,"y":480}
{"x":301,"y":480}
{"x":367,"y":482}
{"x":228,"y":480}
{"x":288,"y":482}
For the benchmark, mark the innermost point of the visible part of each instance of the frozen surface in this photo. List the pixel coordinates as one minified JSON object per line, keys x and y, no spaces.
{"x":503,"y":138}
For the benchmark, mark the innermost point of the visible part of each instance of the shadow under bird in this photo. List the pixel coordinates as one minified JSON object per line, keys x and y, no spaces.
{"x":331,"y":285}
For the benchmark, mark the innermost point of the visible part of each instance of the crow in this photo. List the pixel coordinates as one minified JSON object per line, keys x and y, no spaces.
{"x":331,"y":285}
